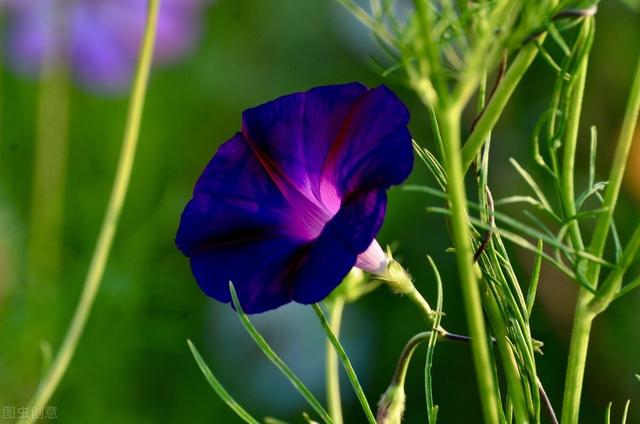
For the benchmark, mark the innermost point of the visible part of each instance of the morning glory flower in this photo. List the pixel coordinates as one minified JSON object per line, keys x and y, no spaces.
{"x":99,"y":38}
{"x":288,"y":205}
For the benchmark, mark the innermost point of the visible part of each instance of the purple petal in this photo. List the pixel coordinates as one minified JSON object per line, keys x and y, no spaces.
{"x":335,"y":139}
{"x":298,"y":130}
{"x":239,"y":227}
{"x":374,"y":148}
{"x":233,"y":200}
{"x":335,"y":251}
{"x":259,"y":271}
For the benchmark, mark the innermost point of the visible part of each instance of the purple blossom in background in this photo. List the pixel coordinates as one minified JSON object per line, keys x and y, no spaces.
{"x":100,"y":38}
{"x":290,"y":204}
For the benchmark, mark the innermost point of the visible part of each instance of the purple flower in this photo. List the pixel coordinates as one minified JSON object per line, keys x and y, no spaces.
{"x":290,"y":204}
{"x":100,"y":38}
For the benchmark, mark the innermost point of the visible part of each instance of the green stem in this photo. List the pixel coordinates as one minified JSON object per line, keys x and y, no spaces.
{"x":612,"y":284}
{"x":497,"y":103}
{"x":569,"y":154}
{"x":353,"y":378}
{"x":333,"y":377}
{"x":105,"y":239}
{"x":584,"y":314}
{"x":616,"y":175}
{"x":405,"y":357}
{"x":629,"y":287}
{"x":450,"y":127}
{"x":580,"y":334}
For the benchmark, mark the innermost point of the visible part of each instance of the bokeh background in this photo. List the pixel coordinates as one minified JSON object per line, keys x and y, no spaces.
{"x":133,"y":364}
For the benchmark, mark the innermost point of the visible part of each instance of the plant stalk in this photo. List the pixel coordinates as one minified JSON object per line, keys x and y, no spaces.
{"x":105,"y":239}
{"x":585,"y":313}
{"x":450,"y":126}
{"x":497,"y":103}
{"x":334,"y":399}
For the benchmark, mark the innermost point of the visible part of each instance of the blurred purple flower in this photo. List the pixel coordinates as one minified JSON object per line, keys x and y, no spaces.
{"x":290,"y":204}
{"x":100,"y":38}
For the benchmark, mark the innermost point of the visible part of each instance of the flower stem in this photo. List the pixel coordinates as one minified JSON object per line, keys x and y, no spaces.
{"x":353,"y":378}
{"x":334,"y":400}
{"x":580,"y":334}
{"x":585,"y":313}
{"x":450,"y":127}
{"x":497,"y":103}
{"x":105,"y":239}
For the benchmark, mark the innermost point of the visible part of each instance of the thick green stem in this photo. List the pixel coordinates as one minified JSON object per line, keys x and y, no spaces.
{"x":497,"y":103}
{"x":577,"y":359}
{"x":105,"y":239}
{"x":450,"y":126}
{"x":333,"y":377}
{"x":585,"y":311}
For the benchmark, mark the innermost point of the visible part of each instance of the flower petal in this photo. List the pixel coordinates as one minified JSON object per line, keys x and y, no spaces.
{"x":334,"y":252}
{"x":239,"y":227}
{"x":297,"y":131}
{"x":260,"y":272}
{"x":234,"y":201}
{"x":333,"y":140}
{"x":374,"y":148}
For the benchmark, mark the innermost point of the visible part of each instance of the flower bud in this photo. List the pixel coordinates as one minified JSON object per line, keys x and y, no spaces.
{"x":391,"y":405}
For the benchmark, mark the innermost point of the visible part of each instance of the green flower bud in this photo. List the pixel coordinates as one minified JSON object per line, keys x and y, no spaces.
{"x":391,"y":405}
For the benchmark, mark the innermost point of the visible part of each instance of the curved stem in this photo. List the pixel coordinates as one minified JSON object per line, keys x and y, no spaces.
{"x":105,"y":239}
{"x":405,"y":357}
{"x":333,"y":376}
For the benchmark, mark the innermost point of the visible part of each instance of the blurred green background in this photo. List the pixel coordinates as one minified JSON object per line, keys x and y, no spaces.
{"x":133,"y":364}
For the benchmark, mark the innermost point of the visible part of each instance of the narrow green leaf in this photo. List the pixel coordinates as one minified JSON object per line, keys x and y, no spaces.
{"x":607,"y":414}
{"x":518,"y":199}
{"x":535,"y":276}
{"x":532,"y":183}
{"x":625,"y":412}
{"x":277,"y":361}
{"x":515,"y":224}
{"x":518,"y":240}
{"x":353,"y":378}
{"x":593,"y":150}
{"x":217,"y":387}
{"x":557,"y":37}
